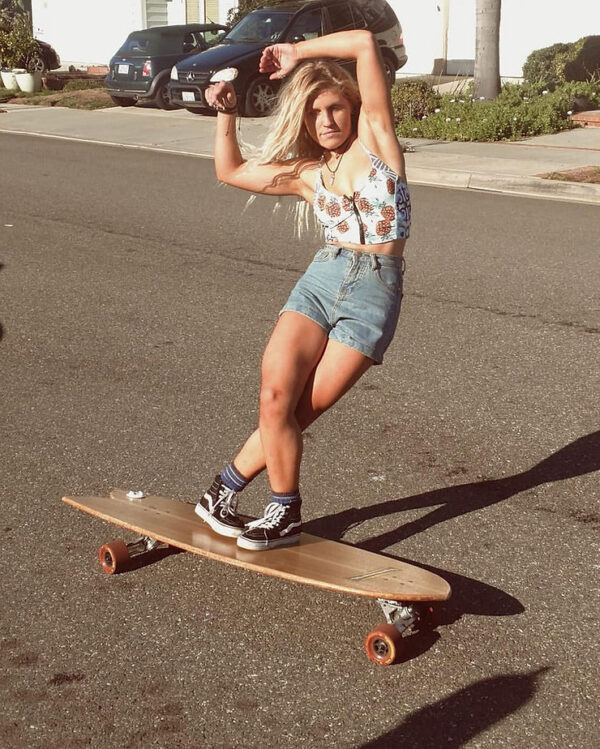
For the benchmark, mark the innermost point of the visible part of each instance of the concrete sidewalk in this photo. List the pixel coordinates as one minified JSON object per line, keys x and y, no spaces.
{"x":501,"y":167}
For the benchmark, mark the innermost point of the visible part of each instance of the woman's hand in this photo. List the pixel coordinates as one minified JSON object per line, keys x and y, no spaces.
{"x":221,"y":96}
{"x":279,"y":60}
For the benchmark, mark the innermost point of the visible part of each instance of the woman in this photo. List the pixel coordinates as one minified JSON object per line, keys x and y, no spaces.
{"x":333,"y":144}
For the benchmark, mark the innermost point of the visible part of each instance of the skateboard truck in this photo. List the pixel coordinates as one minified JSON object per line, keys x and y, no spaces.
{"x":117,"y":555}
{"x":400,"y":615}
{"x":385,"y":643}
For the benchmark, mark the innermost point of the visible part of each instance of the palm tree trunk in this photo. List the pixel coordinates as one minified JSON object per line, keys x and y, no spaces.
{"x":487,"y":49}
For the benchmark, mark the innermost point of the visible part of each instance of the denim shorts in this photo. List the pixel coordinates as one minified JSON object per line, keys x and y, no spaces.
{"x":354,"y":296}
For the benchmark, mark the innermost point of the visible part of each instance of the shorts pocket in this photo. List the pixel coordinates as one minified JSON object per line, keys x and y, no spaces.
{"x":322,"y":256}
{"x":389,"y":276}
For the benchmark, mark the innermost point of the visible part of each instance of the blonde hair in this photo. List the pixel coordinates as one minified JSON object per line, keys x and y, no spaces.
{"x":289,"y":138}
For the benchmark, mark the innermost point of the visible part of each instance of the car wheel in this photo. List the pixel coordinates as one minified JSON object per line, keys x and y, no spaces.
{"x":161,"y":98}
{"x":123,"y":101}
{"x":390,"y":70}
{"x":260,"y":98}
{"x":39,"y":64}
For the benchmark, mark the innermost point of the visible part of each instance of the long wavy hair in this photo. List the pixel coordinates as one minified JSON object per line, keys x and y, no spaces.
{"x":289,"y":137}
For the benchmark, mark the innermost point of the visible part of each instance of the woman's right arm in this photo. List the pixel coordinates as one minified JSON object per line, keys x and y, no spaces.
{"x":283,"y":178}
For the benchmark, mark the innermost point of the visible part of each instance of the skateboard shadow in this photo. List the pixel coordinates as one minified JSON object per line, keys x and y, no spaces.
{"x":150,"y":557}
{"x":456,"y":720}
{"x":575,"y":459}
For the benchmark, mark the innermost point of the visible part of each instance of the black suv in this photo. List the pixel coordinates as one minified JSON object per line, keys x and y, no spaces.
{"x":140,"y":69}
{"x":288,"y":22}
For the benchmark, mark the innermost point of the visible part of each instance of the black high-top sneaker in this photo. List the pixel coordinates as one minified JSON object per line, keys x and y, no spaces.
{"x":280,"y":525}
{"x":218,"y":508}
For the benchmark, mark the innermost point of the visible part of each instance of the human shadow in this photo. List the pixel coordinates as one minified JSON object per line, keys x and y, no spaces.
{"x":575,"y":459}
{"x":468,"y":595}
{"x":454,"y":721}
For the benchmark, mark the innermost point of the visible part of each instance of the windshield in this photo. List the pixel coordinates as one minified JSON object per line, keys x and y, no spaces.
{"x":259,"y":26}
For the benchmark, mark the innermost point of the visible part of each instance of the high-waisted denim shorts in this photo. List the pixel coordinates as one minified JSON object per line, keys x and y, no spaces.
{"x":354,"y":296}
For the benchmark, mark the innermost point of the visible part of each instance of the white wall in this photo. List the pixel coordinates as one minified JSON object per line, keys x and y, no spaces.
{"x":525,"y":25}
{"x":86,"y":31}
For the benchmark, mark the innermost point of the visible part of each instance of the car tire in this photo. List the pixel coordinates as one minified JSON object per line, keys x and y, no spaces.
{"x":161,"y":98}
{"x":390,"y":69}
{"x":260,"y":97}
{"x":123,"y":101}
{"x":39,"y":64}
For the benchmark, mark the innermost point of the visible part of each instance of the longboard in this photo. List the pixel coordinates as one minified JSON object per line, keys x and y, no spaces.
{"x":401,"y":589}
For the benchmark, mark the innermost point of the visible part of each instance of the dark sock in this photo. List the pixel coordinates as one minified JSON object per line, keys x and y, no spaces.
{"x":286,"y":498}
{"x":233,"y":479}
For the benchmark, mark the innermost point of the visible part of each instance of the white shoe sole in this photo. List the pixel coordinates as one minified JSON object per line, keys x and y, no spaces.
{"x":220,"y":528}
{"x":252,"y":545}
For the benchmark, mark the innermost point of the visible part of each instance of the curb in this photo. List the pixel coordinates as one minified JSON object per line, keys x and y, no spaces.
{"x":509,"y":184}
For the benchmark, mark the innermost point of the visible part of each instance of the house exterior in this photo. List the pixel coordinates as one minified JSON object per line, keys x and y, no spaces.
{"x":439,"y":34}
{"x":88,"y":32}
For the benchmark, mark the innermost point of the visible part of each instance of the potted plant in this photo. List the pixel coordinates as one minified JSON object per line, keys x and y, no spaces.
{"x":19,"y":51}
{"x":8,"y":78}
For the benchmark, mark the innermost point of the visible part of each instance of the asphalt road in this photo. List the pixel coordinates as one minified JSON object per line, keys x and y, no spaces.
{"x":136,"y":298}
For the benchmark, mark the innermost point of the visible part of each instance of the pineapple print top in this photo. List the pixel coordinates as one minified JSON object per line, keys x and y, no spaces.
{"x":378,"y":212}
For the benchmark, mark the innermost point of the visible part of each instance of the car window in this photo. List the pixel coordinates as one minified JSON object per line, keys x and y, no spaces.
{"x":308,"y":25}
{"x":259,"y":26}
{"x":342,"y":18}
{"x":378,"y":14}
{"x":212,"y":37}
{"x":155,"y":44}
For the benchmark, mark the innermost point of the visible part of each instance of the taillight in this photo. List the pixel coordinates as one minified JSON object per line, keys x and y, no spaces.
{"x":147,"y":69}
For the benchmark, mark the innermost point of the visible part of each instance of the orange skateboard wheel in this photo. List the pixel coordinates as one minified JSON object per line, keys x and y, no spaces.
{"x":113,"y":557}
{"x":383,"y":644}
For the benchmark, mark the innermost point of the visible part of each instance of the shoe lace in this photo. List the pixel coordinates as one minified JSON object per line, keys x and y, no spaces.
{"x":229,"y":500}
{"x":273,"y":514}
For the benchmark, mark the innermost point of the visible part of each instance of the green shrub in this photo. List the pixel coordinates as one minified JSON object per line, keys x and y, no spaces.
{"x":18,"y":48}
{"x":543,"y":66}
{"x":555,"y":65}
{"x":413,"y":99}
{"x":82,"y":84}
{"x":584,"y":62}
{"x":518,"y":112}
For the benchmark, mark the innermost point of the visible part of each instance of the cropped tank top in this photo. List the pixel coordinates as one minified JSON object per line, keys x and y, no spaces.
{"x":378,"y":212}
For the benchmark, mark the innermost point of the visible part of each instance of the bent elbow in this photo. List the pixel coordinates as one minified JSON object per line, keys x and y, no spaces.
{"x":366,"y":39}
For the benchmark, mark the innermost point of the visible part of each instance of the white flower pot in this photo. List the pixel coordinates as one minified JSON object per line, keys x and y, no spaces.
{"x":8,"y":80}
{"x":29,"y":83}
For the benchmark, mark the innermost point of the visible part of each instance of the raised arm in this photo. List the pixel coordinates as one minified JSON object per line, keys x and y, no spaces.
{"x":359,"y":45}
{"x":232,"y":169}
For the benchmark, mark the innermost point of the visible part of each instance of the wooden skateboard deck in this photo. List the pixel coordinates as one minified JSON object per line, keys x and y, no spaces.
{"x":314,"y":561}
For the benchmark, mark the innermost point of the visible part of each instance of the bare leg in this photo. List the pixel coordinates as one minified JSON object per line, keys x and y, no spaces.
{"x":292,"y":353}
{"x":337,"y":371}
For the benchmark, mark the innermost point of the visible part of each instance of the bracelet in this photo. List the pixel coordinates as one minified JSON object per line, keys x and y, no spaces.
{"x":228,"y":110}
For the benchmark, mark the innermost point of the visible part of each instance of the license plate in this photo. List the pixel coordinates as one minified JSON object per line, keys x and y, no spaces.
{"x":123,"y":69}
{"x":188,"y":96}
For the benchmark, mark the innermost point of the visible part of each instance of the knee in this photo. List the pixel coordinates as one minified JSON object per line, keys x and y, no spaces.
{"x":274,"y":404}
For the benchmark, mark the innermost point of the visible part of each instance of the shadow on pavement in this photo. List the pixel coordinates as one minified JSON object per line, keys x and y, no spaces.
{"x":576,"y":459}
{"x":468,"y":596}
{"x":454,"y":721}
